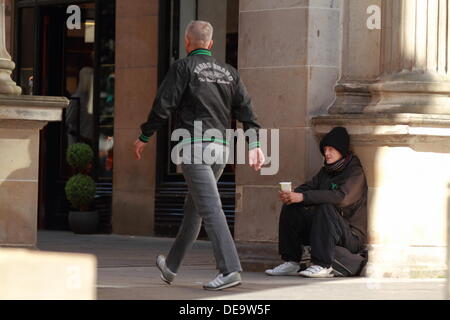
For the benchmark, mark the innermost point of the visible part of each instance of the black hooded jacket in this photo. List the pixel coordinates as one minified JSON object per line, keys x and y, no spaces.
{"x":346,"y":190}
{"x":200,"y":88}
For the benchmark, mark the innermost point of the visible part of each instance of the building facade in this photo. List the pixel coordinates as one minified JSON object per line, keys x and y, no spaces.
{"x":378,"y":67}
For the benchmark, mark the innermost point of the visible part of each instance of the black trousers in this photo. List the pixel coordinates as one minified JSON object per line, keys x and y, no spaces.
{"x":321,"y":226}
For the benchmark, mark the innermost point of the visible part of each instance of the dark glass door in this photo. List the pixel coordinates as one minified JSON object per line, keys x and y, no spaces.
{"x":78,"y":63}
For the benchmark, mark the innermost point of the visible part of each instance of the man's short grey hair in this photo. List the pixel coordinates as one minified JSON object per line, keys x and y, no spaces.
{"x":199,"y":32}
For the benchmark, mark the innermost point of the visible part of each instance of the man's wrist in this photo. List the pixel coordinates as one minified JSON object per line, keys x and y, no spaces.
{"x":254,"y":145}
{"x":302,"y":196}
{"x":144,"y":138}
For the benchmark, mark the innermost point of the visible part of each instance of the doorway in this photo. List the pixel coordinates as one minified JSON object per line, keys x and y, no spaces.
{"x":78,"y":63}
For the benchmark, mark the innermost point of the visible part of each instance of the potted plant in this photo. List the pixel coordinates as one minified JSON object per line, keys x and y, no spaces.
{"x":80,"y":189}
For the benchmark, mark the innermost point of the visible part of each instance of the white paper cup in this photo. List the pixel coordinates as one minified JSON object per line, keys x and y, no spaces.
{"x":286,"y":186}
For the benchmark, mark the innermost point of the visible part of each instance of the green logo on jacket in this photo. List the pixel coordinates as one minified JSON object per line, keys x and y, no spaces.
{"x":334,"y":186}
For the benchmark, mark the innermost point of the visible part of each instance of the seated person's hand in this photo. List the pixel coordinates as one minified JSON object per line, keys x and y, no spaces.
{"x":290,"y":197}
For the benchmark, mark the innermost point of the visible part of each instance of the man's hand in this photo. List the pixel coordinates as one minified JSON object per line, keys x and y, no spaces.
{"x":138,"y":148}
{"x":291,"y":197}
{"x":256,"y":158}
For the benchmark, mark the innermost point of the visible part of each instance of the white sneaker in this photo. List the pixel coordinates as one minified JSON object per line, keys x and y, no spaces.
{"x":316,"y":271}
{"x":285,"y":269}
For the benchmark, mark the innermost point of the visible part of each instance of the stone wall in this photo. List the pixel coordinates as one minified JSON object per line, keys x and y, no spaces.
{"x":136,"y":85}
{"x":289,"y":59}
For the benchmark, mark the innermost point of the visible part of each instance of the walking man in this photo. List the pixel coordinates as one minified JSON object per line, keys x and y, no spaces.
{"x":202,"y":90}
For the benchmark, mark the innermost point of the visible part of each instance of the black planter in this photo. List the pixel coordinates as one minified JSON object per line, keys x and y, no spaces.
{"x":83,"y":222}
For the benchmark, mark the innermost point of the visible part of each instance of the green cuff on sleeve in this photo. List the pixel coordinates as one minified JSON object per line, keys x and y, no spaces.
{"x":144,"y":138}
{"x":254,"y":145}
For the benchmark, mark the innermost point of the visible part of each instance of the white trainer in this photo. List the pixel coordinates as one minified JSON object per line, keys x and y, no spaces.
{"x":316,"y":271}
{"x":285,"y":269}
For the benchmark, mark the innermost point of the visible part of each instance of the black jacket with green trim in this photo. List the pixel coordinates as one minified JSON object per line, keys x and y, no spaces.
{"x":200,"y":88}
{"x":346,"y":190}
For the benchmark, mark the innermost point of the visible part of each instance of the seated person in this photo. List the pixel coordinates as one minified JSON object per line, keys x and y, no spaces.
{"x":328,"y":211}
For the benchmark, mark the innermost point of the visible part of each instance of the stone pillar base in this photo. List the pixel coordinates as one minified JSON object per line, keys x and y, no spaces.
{"x":19,"y":175}
{"x":350,"y":98}
{"x":411,"y":92}
{"x":405,"y":158}
{"x":21,"y":119}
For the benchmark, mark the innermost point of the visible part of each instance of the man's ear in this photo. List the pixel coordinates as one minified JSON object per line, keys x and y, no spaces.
{"x":187,"y":43}
{"x":210,"y":44}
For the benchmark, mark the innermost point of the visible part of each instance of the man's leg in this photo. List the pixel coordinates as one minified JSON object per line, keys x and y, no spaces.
{"x":293,"y":231}
{"x":329,"y":229}
{"x":202,"y":184}
{"x":187,"y":234}
{"x":294,"y":226}
{"x":191,"y":224}
{"x":189,"y":229}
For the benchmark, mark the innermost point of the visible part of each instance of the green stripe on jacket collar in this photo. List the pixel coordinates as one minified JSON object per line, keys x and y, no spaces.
{"x":200,"y":51}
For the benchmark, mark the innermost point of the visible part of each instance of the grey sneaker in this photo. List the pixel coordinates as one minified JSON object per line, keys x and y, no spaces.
{"x":166,"y":275}
{"x":223,"y":282}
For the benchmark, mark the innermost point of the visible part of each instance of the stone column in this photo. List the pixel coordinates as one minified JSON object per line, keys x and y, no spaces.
{"x":7,"y":86}
{"x":415,"y":77}
{"x":360,"y":62}
{"x":136,"y":84}
{"x":289,"y":61}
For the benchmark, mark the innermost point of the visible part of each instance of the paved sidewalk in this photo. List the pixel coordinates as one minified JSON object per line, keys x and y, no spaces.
{"x":126,"y":270}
